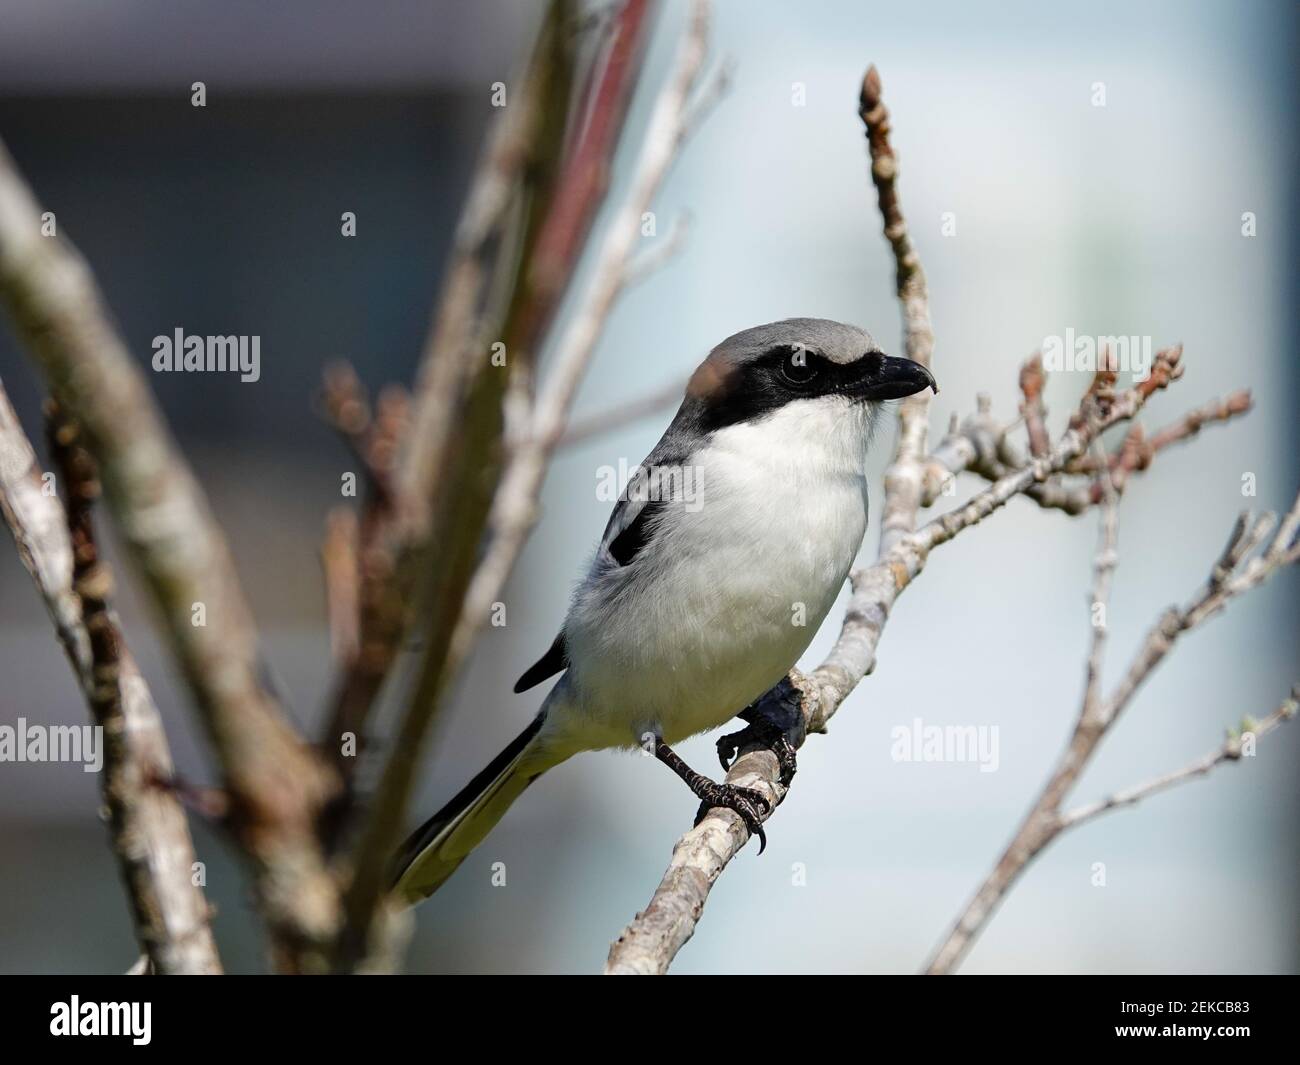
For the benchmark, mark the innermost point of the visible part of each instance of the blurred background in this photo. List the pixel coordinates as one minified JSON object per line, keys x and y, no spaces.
{"x":1117,"y":219}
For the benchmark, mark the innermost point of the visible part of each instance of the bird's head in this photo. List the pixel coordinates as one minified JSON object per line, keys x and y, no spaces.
{"x":759,"y":371}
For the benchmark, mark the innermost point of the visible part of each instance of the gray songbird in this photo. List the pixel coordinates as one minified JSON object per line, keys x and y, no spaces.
{"x":719,"y":563}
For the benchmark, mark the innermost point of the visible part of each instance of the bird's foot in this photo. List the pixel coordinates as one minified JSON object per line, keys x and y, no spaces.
{"x":750,"y":804}
{"x":771,"y":736}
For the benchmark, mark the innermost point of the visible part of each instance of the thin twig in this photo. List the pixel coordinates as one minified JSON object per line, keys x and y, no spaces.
{"x":981,"y":445}
{"x":1230,"y":751}
{"x":903,"y":478}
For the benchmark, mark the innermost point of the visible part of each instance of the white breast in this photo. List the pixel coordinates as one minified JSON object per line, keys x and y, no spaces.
{"x":724,"y":600}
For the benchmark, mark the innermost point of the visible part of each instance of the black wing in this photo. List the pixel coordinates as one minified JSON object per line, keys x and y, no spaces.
{"x":627,"y":533}
{"x":625,"y":544}
{"x":551,"y":663}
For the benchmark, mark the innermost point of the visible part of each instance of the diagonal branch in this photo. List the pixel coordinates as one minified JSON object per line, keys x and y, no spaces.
{"x":1232,"y":750}
{"x":150,"y":837}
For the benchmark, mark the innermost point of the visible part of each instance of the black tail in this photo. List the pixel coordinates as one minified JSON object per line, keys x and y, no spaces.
{"x":441,"y":824}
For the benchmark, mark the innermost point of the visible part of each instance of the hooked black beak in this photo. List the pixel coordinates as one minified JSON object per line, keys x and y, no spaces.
{"x":896,"y":378}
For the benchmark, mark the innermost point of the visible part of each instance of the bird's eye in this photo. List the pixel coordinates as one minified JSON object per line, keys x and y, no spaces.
{"x":797,"y":366}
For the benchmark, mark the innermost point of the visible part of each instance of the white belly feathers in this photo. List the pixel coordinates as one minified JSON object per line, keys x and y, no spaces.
{"x":729,"y":593}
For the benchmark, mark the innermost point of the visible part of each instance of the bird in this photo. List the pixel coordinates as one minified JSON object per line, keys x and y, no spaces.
{"x":720,"y":561}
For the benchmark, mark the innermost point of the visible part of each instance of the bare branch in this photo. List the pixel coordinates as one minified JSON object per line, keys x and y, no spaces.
{"x":151,"y":839}
{"x":903,"y":479}
{"x":585,"y":177}
{"x":1234,"y":574}
{"x":514,"y":505}
{"x":1230,"y":751}
{"x":981,"y":446}
{"x":373,"y":436}
{"x":450,"y":464}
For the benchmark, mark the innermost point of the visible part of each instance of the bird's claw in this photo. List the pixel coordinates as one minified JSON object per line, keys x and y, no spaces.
{"x":771,"y":737}
{"x":728,"y":745}
{"x":749,"y":803}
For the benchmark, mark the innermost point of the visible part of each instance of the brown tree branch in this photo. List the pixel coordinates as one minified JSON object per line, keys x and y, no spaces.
{"x":447,"y":460}
{"x":150,"y":836}
{"x":450,"y":464}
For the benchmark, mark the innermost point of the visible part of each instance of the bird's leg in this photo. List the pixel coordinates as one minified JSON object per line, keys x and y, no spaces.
{"x":748,"y":803}
{"x":761,"y":729}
